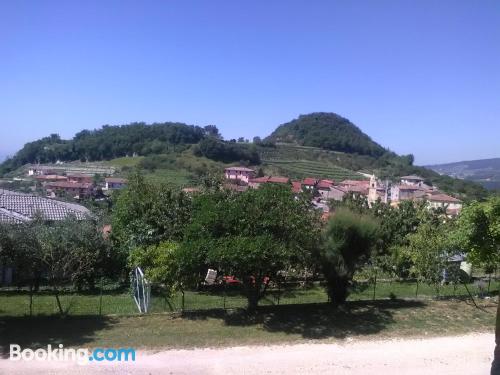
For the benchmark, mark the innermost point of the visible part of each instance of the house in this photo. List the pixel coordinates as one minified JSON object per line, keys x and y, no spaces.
{"x":334,"y":192}
{"x":40,"y":170}
{"x":74,"y":189}
{"x":296,"y":186}
{"x":441,"y":200}
{"x":309,"y":183}
{"x":356,"y":187}
{"x":237,"y":174}
{"x":50,"y":178}
{"x":80,"y":178}
{"x":412,"y":180}
{"x":17,"y":208}
{"x":114,"y":183}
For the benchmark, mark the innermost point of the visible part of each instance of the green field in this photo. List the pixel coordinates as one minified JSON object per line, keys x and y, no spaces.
{"x":15,"y":303}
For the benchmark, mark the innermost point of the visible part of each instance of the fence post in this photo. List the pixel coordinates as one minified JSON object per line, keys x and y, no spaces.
{"x":100,"y":297}
{"x":31,"y":299}
{"x":182,"y":301}
{"x":224,"y":296}
{"x":416,"y":291}
{"x":375,"y":285}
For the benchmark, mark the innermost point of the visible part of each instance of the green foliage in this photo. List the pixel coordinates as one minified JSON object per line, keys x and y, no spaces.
{"x":146,"y":213}
{"x":328,"y":131}
{"x":159,"y":263}
{"x":349,"y":239}
{"x":227,"y":152}
{"x":107,"y":143}
{"x":429,"y":249}
{"x":251,"y":235}
{"x":478,"y":232}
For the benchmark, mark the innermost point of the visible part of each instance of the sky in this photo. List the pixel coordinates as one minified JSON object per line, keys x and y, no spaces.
{"x":419,"y":77}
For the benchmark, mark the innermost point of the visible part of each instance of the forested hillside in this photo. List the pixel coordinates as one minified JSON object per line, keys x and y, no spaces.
{"x":328,"y":131}
{"x":109,"y":142}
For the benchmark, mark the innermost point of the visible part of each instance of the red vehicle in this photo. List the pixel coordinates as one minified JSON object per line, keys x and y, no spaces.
{"x":231,"y":280}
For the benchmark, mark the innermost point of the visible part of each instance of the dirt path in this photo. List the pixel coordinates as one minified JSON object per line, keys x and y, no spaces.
{"x":471,"y":354}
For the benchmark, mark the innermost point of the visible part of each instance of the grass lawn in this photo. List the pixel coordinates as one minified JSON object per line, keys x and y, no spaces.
{"x":14,"y":303}
{"x":271,"y":325}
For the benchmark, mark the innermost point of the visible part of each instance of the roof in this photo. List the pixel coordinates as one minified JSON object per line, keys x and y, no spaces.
{"x":279,"y":179}
{"x":16,"y":208}
{"x":51,"y":177}
{"x":443,"y":198}
{"x":324,"y":184}
{"x":412,"y":177}
{"x":79,"y":175}
{"x":240,"y":169}
{"x":260,"y":179}
{"x":355,"y":182}
{"x":309,"y":181}
{"x":70,"y":185}
{"x":296,"y":186}
{"x":115,"y":180}
{"x":409,"y":187}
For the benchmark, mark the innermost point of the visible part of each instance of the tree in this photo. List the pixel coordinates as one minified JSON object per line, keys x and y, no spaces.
{"x":479,"y":234}
{"x":147,"y":213}
{"x":251,"y":235}
{"x":430,"y":249}
{"x":160,"y":265}
{"x":348,"y":240}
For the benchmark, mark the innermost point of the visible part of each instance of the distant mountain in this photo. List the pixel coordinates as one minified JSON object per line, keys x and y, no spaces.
{"x":485,"y":171}
{"x":328,"y":131}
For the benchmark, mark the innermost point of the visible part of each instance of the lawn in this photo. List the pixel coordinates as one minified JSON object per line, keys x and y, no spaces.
{"x":271,"y":325}
{"x":17,"y":303}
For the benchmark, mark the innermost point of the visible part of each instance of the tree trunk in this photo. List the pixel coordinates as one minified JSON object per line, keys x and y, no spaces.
{"x":495,"y":366}
{"x":253,"y":295}
{"x":338,"y":289}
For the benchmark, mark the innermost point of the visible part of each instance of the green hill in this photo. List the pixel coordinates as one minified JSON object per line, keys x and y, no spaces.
{"x":327,"y":131}
{"x":321,"y":145}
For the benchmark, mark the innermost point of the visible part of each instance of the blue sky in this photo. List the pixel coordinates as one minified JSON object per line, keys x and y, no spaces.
{"x":419,"y":77}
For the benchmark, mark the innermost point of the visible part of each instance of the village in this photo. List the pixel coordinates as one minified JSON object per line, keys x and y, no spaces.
{"x":409,"y":188}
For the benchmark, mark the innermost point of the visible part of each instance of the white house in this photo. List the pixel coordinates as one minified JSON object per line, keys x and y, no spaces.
{"x":236,"y":174}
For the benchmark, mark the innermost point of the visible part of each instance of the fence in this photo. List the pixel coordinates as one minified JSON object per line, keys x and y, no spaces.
{"x":20,"y":302}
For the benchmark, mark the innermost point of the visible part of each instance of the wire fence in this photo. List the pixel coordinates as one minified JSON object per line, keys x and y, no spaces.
{"x":106,"y":301}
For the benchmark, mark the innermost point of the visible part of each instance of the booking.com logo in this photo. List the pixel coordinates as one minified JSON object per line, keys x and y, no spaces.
{"x":82,"y":356}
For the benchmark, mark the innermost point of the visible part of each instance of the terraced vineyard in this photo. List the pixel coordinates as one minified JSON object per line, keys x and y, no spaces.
{"x":300,"y":162}
{"x":309,"y":168}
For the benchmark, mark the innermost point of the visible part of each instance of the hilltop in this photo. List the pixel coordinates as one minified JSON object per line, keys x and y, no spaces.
{"x":484,"y":171}
{"x":327,"y":131}
{"x":323,"y":145}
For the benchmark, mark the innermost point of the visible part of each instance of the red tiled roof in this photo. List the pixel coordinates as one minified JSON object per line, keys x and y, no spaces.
{"x":259,"y":179}
{"x":324,"y":184}
{"x":279,"y":179}
{"x":309,"y":181}
{"x":296,"y":186}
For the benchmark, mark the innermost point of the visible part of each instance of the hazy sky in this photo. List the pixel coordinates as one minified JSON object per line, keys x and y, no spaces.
{"x":419,"y":77}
